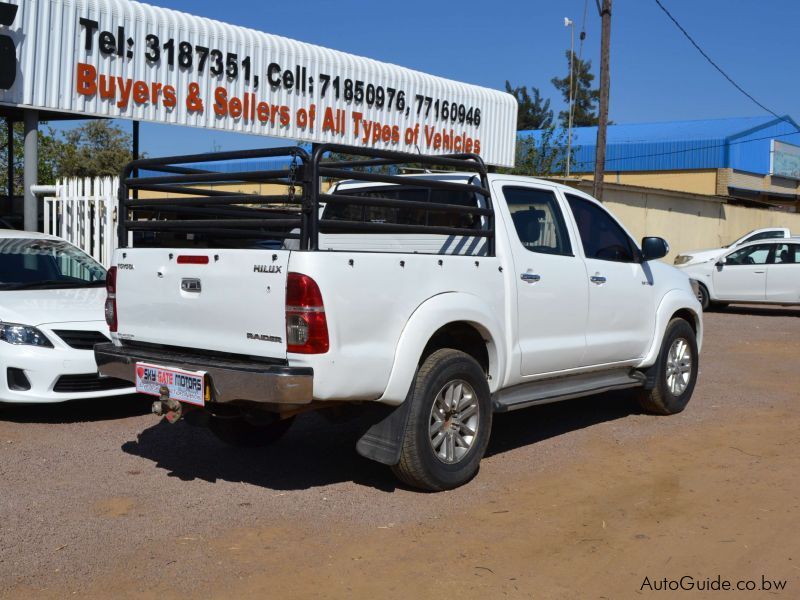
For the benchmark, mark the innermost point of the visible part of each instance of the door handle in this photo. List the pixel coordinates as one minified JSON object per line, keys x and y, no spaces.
{"x":759,"y":272}
{"x":530,"y":277}
{"x":598,"y":279}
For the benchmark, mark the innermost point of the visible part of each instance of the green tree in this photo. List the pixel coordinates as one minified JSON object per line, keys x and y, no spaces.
{"x":95,"y":149}
{"x":543,"y":157}
{"x":533,"y":112}
{"x":585,"y":98}
{"x":50,"y":149}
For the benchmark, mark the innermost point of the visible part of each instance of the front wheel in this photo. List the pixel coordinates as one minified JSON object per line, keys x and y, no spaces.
{"x":702,"y":296}
{"x":449,"y":422}
{"x":677,"y":366}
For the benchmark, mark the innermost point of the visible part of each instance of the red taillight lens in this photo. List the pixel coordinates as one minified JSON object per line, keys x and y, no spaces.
{"x":306,"y":325}
{"x":111,"y":299}
{"x":111,"y":280}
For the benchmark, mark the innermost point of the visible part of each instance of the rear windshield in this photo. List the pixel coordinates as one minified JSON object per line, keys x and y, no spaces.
{"x":407,"y":215}
{"x":27,"y":263}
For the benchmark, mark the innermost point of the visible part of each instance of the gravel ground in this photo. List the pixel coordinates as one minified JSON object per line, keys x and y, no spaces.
{"x":101,"y":497}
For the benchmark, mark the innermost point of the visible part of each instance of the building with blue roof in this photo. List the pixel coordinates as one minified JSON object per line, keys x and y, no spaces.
{"x":750,"y":158}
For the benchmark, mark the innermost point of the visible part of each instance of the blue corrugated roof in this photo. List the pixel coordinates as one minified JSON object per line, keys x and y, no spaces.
{"x":741,"y":143}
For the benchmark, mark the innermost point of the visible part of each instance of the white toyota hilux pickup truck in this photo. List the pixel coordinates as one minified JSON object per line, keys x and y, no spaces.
{"x":443,"y":297}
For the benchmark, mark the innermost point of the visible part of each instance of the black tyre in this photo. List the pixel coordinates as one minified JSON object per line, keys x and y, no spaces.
{"x":677,"y":366}
{"x":240,"y":432}
{"x":702,"y":296}
{"x":449,"y":422}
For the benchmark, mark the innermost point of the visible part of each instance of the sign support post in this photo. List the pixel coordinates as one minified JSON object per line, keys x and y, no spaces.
{"x":135,"y":153}
{"x":31,"y":172}
{"x":10,"y":165}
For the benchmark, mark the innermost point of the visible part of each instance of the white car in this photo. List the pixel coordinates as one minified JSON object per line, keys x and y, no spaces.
{"x":694,"y":257}
{"x":766,"y":270}
{"x":52,"y":299}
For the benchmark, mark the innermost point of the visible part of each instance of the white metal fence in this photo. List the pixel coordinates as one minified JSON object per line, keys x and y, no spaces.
{"x":83,"y":212}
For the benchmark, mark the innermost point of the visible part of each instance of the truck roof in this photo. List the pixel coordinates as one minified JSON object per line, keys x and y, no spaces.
{"x":459,"y":177}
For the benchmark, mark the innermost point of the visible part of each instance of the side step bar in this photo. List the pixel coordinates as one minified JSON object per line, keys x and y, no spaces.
{"x":544,"y":391}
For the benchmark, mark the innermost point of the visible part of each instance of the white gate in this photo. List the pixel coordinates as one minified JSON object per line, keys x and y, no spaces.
{"x":84,"y":212}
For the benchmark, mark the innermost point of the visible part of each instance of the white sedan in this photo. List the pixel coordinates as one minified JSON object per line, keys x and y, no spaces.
{"x":693,"y":257}
{"x":764,"y":271}
{"x":52,"y":298}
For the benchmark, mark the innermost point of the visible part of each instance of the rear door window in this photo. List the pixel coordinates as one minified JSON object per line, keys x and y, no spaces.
{"x":787,"y":254}
{"x":538,"y":220}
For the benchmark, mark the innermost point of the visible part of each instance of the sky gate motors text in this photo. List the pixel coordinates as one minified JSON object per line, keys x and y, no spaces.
{"x":168,"y":378}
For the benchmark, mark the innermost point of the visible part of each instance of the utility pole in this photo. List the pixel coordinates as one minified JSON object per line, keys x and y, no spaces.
{"x":605,"y":85}
{"x":30,"y":173}
{"x":569,"y":23}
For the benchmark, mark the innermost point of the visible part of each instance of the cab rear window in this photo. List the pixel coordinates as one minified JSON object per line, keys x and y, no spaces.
{"x":406,"y":215}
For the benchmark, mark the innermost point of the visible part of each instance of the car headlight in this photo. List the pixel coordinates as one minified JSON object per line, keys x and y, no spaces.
{"x":682,"y":259}
{"x":23,"y":335}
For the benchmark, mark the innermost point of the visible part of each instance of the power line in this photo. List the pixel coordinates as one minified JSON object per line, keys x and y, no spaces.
{"x":717,"y":67}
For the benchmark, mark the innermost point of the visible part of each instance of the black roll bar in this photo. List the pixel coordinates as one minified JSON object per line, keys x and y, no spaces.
{"x":185,"y":197}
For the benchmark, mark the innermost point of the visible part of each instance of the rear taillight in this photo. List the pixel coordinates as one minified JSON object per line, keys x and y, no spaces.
{"x":306,"y":326}
{"x":111,"y":299}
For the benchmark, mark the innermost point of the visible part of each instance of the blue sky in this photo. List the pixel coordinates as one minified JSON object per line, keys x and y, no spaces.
{"x":656,"y":74}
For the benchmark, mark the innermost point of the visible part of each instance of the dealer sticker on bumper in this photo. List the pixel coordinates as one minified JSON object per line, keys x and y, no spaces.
{"x":183,"y":386}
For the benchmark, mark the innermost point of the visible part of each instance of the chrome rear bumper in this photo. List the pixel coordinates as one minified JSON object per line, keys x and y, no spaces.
{"x":230,"y":380}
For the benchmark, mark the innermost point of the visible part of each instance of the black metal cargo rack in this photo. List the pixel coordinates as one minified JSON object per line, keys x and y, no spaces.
{"x":179,"y":200}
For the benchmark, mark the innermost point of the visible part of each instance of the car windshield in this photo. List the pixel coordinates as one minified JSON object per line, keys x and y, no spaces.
{"x":29,"y":263}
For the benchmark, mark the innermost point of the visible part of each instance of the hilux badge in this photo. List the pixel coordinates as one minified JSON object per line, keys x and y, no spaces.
{"x":267,"y":268}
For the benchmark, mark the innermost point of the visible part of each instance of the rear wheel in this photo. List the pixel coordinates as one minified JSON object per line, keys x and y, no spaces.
{"x":449,"y":423}
{"x":677,"y":371}
{"x":238,"y":431}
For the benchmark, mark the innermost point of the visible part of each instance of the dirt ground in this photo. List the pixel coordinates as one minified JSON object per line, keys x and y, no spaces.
{"x":585,"y":499}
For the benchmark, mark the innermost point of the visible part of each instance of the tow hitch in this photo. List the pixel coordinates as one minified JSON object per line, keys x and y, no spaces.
{"x":167,"y":407}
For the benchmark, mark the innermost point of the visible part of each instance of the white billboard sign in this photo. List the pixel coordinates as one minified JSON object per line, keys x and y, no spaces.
{"x":785,"y":160}
{"x":128,"y":60}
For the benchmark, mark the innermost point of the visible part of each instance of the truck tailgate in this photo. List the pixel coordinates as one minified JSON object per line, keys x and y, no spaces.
{"x":223,"y":300}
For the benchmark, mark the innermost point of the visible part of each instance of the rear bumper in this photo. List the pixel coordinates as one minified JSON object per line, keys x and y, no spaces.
{"x":230,"y":380}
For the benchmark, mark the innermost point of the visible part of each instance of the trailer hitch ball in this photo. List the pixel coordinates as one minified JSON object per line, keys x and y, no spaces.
{"x":167,"y":407}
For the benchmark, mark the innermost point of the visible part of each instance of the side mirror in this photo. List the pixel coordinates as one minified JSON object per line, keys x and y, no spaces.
{"x":654,"y":248}
{"x":720,"y":262}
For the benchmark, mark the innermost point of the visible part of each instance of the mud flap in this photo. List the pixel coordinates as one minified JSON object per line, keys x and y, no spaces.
{"x":384,"y":440}
{"x":650,"y":374}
